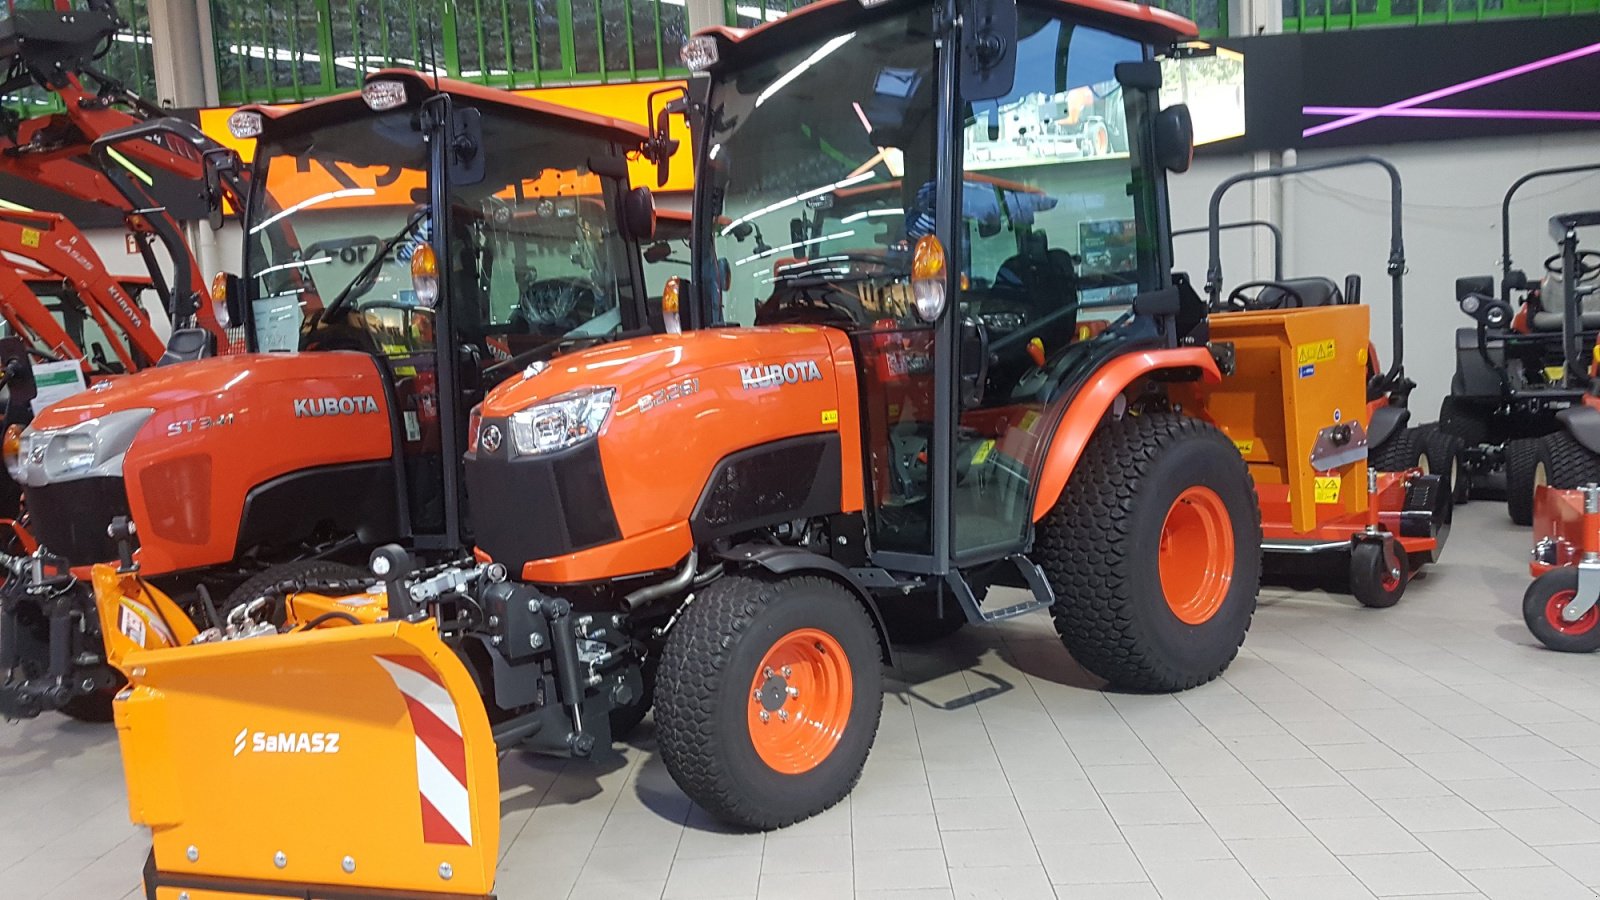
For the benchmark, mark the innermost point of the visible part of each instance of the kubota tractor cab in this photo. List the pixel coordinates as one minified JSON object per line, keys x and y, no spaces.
{"x":722,"y":518}
{"x":1320,"y":420}
{"x":407,"y":247}
{"x":1512,"y":376}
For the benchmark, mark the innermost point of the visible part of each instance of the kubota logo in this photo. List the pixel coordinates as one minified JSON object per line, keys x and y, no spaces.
{"x":285,"y":741}
{"x":752,"y":377}
{"x":334,"y":406}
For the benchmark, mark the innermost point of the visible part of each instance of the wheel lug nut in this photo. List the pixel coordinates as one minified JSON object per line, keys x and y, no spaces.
{"x":783,"y":715}
{"x":767,"y":672}
{"x":786,"y":672}
{"x":793,"y":691}
{"x":765,"y":715}
{"x":755,"y":694}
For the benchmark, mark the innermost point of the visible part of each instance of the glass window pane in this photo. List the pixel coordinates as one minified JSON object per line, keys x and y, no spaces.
{"x":586,"y":45}
{"x":615,"y":23}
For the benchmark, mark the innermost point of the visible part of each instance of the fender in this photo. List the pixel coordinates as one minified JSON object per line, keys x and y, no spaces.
{"x":1089,"y":406}
{"x":1583,"y":423}
{"x":781,"y":560}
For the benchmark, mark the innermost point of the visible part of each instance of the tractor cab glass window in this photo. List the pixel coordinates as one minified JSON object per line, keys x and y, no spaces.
{"x":338,"y":212}
{"x":1057,"y":236}
{"x":537,"y":259}
{"x":821,"y":154}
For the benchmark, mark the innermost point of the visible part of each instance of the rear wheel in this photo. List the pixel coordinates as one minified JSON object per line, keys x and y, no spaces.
{"x":1372,"y":580}
{"x":1542,"y":606}
{"x":1568,"y":464}
{"x":1177,"y":487}
{"x":768,"y":698}
{"x":1396,"y":454}
{"x":1522,"y":473}
{"x":1443,"y":451}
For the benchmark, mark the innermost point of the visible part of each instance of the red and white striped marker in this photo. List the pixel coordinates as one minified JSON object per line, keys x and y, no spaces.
{"x":441,"y":751}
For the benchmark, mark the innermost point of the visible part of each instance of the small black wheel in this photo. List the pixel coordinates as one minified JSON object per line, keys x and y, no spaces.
{"x":1567,"y":463}
{"x":916,"y":618}
{"x":306,"y":571}
{"x":1542,"y":606}
{"x":1372,"y":580}
{"x":1444,"y":452}
{"x":1522,"y":474}
{"x":1154,"y":552}
{"x":768,"y":698}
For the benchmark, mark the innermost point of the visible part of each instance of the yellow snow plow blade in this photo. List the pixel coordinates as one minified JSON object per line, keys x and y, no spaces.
{"x":346,"y":761}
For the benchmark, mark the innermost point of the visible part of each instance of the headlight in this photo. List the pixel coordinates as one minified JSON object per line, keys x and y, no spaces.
{"x":87,"y":449}
{"x":563,"y":421}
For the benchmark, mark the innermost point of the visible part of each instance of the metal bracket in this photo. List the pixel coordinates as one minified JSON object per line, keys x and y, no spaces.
{"x":1588,"y":591}
{"x":1339,"y":445}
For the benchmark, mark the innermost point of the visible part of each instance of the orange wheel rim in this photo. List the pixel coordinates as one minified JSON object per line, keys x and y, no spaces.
{"x":1196,"y":555}
{"x":800,"y":701}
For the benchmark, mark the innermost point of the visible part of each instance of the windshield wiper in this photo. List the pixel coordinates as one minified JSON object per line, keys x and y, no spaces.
{"x":369,"y":271}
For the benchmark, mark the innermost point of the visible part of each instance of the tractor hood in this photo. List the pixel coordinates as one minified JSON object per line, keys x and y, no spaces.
{"x":219,"y":384}
{"x":606,"y":452}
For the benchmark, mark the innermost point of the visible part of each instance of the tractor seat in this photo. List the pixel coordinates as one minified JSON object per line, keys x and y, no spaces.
{"x":1316,"y":291}
{"x":1545,"y":320}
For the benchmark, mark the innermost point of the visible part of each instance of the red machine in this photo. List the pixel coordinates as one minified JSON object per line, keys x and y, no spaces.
{"x":1560,"y":606}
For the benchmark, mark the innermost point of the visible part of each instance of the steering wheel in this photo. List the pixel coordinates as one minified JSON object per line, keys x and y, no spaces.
{"x":1588,"y":263}
{"x":1240,"y":300}
{"x":553,"y":301}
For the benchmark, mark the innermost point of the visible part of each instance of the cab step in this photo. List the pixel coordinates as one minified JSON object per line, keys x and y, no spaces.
{"x":1032,"y":578}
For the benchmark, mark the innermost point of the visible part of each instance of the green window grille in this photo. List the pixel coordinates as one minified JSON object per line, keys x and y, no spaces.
{"x":126,"y":60}
{"x":1210,"y":15}
{"x":1338,"y":15}
{"x":291,"y":50}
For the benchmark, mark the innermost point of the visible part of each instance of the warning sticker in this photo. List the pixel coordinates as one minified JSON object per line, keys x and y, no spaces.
{"x":982,"y":455}
{"x":1245,"y":447}
{"x":830,"y":417}
{"x":129,"y":623}
{"x":30,"y":237}
{"x":1328,"y":489}
{"x":1314,"y":352}
{"x":1029,"y":419}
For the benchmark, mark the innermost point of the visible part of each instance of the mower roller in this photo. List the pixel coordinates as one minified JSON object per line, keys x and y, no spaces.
{"x":871,"y":421}
{"x":344,"y":429}
{"x":1320,"y":422}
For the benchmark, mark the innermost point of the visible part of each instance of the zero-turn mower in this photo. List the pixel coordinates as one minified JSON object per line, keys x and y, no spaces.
{"x":1320,"y":421}
{"x":1519,"y":366}
{"x":407,"y":246}
{"x":862,"y":421}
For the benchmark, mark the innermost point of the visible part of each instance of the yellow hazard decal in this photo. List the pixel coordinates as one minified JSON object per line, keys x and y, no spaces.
{"x":894,"y":410}
{"x":1314,"y":352}
{"x":1553,"y":373}
{"x":1328,"y":489}
{"x":830,"y":417}
{"x":30,"y":237}
{"x":1028,"y":420}
{"x":1245,"y":447}
{"x":983,"y":453}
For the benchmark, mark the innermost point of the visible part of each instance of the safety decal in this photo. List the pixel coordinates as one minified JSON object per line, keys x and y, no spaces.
{"x":441,"y":751}
{"x":830,"y":417}
{"x":1307,"y":371}
{"x":1029,"y":419}
{"x":30,"y":237}
{"x":1245,"y":448}
{"x":982,"y":455}
{"x":1314,"y":352}
{"x":1327,"y":489}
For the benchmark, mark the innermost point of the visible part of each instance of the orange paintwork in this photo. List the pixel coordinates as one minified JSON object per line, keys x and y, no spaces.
{"x":187,"y":481}
{"x":816,"y":667}
{"x":1088,"y":407}
{"x":1195,"y":556}
{"x":26,"y":314}
{"x":645,"y":447}
{"x":1558,"y":515}
{"x":1334,"y":523}
{"x":60,"y":248}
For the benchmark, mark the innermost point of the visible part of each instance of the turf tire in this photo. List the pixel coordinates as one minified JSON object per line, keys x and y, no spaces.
{"x":1522,"y":458}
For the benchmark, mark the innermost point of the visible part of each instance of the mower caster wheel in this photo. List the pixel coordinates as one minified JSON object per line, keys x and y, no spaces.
{"x":768,"y":697}
{"x":1523,"y":472}
{"x":1372,"y":580}
{"x":1165,"y":489}
{"x":1546,"y":597}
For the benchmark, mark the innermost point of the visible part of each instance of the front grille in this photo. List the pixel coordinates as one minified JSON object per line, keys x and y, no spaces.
{"x":538,"y":507}
{"x":70,"y":517}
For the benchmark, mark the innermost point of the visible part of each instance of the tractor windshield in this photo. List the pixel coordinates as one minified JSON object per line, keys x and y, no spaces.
{"x":535,"y":257}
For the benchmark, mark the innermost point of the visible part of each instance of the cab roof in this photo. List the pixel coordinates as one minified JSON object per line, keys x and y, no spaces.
{"x":419,"y":86}
{"x":1148,"y":22}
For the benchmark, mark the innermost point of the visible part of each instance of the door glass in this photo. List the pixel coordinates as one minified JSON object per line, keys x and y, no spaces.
{"x":1055,"y":247}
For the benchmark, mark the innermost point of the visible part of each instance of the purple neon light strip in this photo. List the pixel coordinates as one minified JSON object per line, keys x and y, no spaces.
{"x":1433,"y":112}
{"x":1452,"y":90}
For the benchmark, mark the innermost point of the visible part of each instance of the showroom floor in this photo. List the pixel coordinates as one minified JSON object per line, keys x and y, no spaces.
{"x":1431,"y":749}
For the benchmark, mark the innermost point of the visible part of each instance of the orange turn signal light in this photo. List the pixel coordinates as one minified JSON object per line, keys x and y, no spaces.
{"x":1036,"y":352}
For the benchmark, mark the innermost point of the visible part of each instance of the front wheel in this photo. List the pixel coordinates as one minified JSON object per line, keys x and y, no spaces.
{"x":768,"y":698}
{"x":1373,"y":581}
{"x":1169,"y":487}
{"x":1542,"y":607}
{"x":1523,"y":473}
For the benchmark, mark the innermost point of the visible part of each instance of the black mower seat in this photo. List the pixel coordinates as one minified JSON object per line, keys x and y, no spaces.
{"x":1544,"y":320}
{"x":1315,"y":291}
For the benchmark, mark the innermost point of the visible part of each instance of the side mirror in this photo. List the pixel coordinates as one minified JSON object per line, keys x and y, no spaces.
{"x":657,"y":252}
{"x":639,"y":215}
{"x":213,"y":183}
{"x":989,"y":50}
{"x":974,"y":361}
{"x":661,"y":145}
{"x":1174,"y":129}
{"x":468,"y":161}
{"x":1476,"y":284}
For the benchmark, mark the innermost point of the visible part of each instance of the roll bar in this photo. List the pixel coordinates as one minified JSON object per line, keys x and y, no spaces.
{"x":1505,"y":215}
{"x":1274,"y":230}
{"x":1396,"y":267}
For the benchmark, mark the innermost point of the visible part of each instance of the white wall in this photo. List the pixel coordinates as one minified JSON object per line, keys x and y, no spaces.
{"x":1336,"y":223}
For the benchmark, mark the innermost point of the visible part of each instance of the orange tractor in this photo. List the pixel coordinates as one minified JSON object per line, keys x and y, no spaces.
{"x":395,"y":269}
{"x":913,"y":409}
